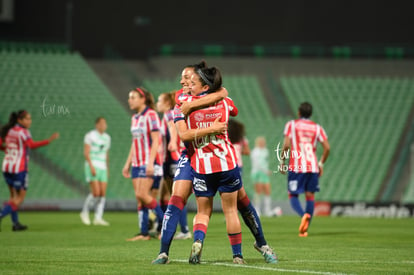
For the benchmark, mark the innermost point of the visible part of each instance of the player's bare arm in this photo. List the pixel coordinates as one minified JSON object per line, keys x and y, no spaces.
{"x":86,"y":151}
{"x":188,"y":107}
{"x":107,"y":163}
{"x":326,"y":149}
{"x":125,"y":170}
{"x":155,"y":137}
{"x":186,"y":134}
{"x":172,"y":145}
{"x":246,"y":149}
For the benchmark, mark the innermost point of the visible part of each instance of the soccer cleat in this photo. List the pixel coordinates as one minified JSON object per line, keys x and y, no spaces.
{"x":304,"y":224}
{"x":19,"y":227}
{"x":238,"y":260}
{"x":139,"y":237}
{"x":100,"y":222}
{"x":304,"y":234}
{"x":161,"y":259}
{"x":195,"y":255}
{"x":183,"y":236}
{"x":85,"y":218}
{"x":267,"y":252}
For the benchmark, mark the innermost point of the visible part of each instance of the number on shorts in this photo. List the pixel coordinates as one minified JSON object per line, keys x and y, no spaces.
{"x":182,"y":162}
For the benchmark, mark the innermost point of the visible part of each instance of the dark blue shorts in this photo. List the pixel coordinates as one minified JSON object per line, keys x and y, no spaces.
{"x":299,"y":183}
{"x":17,"y":181}
{"x":156,"y":182}
{"x":141,"y":172}
{"x":207,"y":185}
{"x":169,"y":167}
{"x":138,"y":172}
{"x":184,"y":170}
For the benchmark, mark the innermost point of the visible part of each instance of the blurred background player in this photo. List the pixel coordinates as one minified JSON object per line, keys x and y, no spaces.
{"x":96,"y":151}
{"x":260,"y":177}
{"x":154,"y":225}
{"x":142,"y":156}
{"x":18,"y":142}
{"x":301,"y":137}
{"x":172,"y":151}
{"x":238,"y":138}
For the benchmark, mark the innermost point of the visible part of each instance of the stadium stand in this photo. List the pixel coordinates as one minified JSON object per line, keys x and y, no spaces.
{"x":364,"y":116}
{"x":44,"y":186}
{"x":63,"y":94}
{"x":409,"y":193}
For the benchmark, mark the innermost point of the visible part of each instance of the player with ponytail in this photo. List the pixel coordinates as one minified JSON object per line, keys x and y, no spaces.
{"x":144,"y":157}
{"x":16,"y":141}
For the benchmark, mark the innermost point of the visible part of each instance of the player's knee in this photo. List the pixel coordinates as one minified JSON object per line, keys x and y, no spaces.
{"x":182,"y":191}
{"x":141,"y":197}
{"x":230,"y":211}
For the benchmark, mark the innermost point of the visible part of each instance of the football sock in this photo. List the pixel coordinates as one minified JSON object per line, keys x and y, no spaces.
{"x":199,"y":231}
{"x":143,"y":220}
{"x":310,"y":204}
{"x":88,"y":201}
{"x":295,"y":203}
{"x":235,"y":242}
{"x":163,"y":205}
{"x":8,"y":208}
{"x":251,"y":219}
{"x":14,"y":217}
{"x":183,"y":220}
{"x":257,"y":201}
{"x":267,"y":205}
{"x":99,"y":210}
{"x":169,"y":224}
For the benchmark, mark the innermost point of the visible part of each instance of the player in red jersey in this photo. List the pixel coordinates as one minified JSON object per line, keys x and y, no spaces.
{"x":215,"y":166}
{"x":18,"y":142}
{"x":182,"y":185}
{"x":184,"y":176}
{"x":145,"y":128}
{"x":173,"y":147}
{"x":304,"y":170}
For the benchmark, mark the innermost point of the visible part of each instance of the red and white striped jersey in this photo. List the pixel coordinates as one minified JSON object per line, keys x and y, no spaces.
{"x":239,"y":148}
{"x":169,"y":117}
{"x":142,"y":125}
{"x":304,"y":135}
{"x":18,"y":144}
{"x":178,"y":96}
{"x":213,"y":153}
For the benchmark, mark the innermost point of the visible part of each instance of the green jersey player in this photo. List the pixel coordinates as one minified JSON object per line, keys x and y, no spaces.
{"x":96,"y":147}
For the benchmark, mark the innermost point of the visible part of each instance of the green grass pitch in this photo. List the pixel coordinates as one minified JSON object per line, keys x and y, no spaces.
{"x":57,"y":243}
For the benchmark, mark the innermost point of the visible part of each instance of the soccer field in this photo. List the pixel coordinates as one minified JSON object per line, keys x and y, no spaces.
{"x":57,"y":243}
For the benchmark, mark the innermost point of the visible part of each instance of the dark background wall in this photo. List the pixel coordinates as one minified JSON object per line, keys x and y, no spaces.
{"x":136,"y":28}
